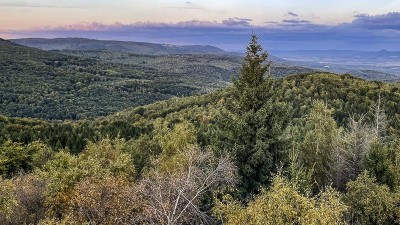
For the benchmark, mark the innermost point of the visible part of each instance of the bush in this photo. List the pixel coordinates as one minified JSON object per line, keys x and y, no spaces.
{"x":283,"y":204}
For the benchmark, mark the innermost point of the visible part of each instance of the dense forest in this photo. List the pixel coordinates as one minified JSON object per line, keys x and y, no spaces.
{"x":317,"y":148}
{"x":76,"y":85}
{"x":42,"y":84}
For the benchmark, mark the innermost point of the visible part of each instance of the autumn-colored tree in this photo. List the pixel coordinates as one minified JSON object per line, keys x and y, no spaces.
{"x":29,"y":197}
{"x":282,"y":204}
{"x":111,"y":200}
{"x":63,"y":171}
{"x":7,"y":199}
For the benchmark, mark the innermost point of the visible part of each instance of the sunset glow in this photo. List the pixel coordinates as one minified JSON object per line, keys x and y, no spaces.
{"x":303,"y":19}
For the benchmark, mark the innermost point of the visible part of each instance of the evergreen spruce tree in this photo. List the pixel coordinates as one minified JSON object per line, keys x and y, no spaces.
{"x":252,"y":86}
{"x":252,"y":122}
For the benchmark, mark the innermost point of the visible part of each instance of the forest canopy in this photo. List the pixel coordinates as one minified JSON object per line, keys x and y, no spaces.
{"x":315,"y":148}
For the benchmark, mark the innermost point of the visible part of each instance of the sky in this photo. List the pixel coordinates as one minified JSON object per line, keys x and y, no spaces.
{"x":281,"y":24}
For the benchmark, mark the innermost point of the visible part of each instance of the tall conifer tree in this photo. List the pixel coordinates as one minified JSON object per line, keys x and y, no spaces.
{"x":253,"y":121}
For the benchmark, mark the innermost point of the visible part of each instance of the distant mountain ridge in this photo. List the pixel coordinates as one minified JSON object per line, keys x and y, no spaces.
{"x":124,"y":46}
{"x":338,"y":52}
{"x":379,"y":65}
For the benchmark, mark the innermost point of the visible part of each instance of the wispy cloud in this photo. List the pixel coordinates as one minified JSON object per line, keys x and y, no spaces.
{"x":292,"y":14}
{"x":236,"y":22}
{"x":295,"y":21}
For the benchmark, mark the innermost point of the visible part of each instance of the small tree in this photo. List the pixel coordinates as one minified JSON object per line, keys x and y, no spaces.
{"x":354,"y":145}
{"x":283,"y":204}
{"x":380,"y":120}
{"x":174,"y":197}
{"x":111,"y":200}
{"x":369,"y":202}
{"x":28,"y":200}
{"x":319,"y":145}
{"x":7,"y":199}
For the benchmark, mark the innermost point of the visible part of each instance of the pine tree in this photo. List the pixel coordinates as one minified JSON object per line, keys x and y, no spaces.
{"x":252,"y":85}
{"x":252,"y":122}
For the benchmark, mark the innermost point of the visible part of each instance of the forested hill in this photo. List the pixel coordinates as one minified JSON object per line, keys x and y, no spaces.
{"x":346,"y":95}
{"x":59,"y":85}
{"x":124,"y":46}
{"x":49,"y":85}
{"x":88,"y":84}
{"x":357,"y":63}
{"x":316,"y":146}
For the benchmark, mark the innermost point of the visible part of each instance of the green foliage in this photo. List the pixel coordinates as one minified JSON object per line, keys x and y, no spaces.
{"x":371,"y":203}
{"x":251,"y":125}
{"x":300,"y":176}
{"x":283,"y":204}
{"x":64,"y":170}
{"x":100,"y":164}
{"x":70,"y":135}
{"x":299,"y":92}
{"x":15,"y":157}
{"x":50,"y":85}
{"x":142,"y":151}
{"x":109,"y":155}
{"x":379,"y":163}
{"x":28,"y":196}
{"x":172,"y":142}
{"x":319,"y":144}
{"x":251,"y":87}
{"x":41,"y":153}
{"x":7,"y":199}
{"x":346,"y":94}
{"x":175,"y":139}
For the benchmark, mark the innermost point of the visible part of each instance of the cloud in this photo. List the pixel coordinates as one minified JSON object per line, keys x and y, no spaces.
{"x":292,"y":14}
{"x":365,"y":32}
{"x":271,"y":22}
{"x":236,"y":22}
{"x":293,"y":21}
{"x":377,"y":22}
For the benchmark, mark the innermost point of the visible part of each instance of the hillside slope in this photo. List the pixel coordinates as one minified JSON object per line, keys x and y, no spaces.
{"x":380,"y":65}
{"x":347,"y":95}
{"x":49,"y":85}
{"x":84,"y":84}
